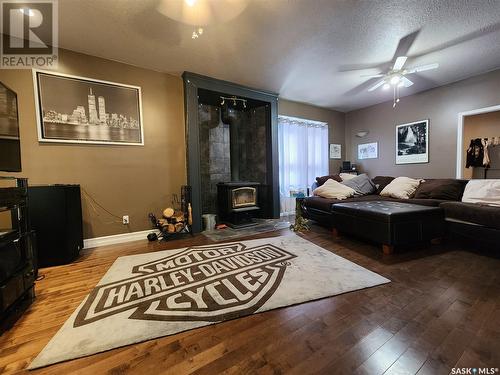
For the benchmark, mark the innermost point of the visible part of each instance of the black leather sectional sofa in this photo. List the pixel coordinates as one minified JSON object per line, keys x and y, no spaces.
{"x":465,"y":221}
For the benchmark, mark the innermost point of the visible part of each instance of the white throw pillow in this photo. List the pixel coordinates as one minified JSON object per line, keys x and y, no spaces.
{"x":347,"y":176}
{"x":401,"y":188}
{"x":482,"y":191}
{"x":334,"y":189}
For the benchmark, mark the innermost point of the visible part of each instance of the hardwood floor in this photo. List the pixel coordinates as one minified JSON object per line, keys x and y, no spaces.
{"x":441,"y":310}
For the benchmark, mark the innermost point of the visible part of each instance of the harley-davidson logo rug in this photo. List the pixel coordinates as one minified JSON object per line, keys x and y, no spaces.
{"x":151,"y":295}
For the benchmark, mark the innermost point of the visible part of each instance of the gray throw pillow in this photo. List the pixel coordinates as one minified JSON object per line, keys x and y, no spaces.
{"x":362,"y":184}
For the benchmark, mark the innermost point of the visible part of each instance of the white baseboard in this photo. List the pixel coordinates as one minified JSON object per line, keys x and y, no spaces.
{"x":116,"y":238}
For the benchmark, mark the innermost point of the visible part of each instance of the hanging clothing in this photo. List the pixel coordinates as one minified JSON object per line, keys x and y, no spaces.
{"x":486,"y":155}
{"x":475,"y":153}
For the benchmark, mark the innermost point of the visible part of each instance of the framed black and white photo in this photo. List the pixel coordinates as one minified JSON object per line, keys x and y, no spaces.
{"x":368,"y":151}
{"x":10,"y":145}
{"x":72,"y":109}
{"x":412,"y":142}
{"x":335,"y":151}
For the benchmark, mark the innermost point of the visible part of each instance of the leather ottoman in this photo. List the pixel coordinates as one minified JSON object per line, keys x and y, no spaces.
{"x":389,"y":223}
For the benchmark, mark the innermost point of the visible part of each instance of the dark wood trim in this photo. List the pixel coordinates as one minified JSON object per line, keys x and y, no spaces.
{"x":193,"y":151}
{"x":214,"y":84}
{"x":193,"y":82}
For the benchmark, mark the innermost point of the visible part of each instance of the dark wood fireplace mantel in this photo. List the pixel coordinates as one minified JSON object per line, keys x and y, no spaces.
{"x":269,"y":189}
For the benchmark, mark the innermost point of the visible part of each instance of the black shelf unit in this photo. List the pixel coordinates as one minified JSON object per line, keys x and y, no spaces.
{"x":18,"y":269}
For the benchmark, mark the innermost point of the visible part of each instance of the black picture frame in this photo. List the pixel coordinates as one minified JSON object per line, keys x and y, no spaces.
{"x":412,"y":142}
{"x":10,"y":141}
{"x":110,"y":113}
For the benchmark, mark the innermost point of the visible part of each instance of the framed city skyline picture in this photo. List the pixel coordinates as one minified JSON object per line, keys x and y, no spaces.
{"x":73,"y":109}
{"x":412,"y":142}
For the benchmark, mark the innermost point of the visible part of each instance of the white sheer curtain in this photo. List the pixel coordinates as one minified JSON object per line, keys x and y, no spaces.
{"x":303,"y":155}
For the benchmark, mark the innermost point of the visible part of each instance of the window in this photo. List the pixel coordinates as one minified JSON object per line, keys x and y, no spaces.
{"x":303,"y":155}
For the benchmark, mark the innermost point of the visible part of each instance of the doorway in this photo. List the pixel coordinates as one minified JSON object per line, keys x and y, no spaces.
{"x":478,"y":123}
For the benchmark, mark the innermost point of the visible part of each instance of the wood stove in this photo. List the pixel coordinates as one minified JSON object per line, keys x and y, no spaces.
{"x":238,"y":203}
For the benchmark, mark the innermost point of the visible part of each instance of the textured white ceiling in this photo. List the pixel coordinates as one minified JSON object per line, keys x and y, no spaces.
{"x":300,"y":49}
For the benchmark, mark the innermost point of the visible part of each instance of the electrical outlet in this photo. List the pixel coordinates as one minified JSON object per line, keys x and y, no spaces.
{"x":126,"y":220}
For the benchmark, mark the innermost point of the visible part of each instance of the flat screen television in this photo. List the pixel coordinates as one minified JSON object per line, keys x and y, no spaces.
{"x":10,"y":146}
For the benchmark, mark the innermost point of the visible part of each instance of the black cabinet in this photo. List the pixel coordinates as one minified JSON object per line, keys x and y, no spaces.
{"x":56,"y":217}
{"x":17,"y":247}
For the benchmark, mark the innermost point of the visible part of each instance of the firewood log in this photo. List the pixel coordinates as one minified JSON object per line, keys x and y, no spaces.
{"x":168,"y":212}
{"x":178,"y":216}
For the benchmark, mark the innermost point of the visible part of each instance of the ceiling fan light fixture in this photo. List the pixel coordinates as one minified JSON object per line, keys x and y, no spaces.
{"x":395,"y":79}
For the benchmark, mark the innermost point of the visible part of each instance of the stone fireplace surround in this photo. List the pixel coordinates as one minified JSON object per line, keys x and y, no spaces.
{"x":231,"y":148}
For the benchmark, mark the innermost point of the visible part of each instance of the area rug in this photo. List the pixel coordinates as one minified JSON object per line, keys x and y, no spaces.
{"x":263,"y":226}
{"x":150,"y":295}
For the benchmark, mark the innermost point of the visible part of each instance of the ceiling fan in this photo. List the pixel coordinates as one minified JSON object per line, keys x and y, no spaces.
{"x":396,"y":77}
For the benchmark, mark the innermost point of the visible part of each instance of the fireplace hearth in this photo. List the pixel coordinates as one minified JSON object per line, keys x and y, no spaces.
{"x":238,"y":203}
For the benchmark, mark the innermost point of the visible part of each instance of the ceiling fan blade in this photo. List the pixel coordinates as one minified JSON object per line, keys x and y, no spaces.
{"x":357,"y":67}
{"x":372,"y":75}
{"x":400,"y":61}
{"x":405,"y":44}
{"x":422,"y":68}
{"x":377,"y":85}
{"x":406,"y":82}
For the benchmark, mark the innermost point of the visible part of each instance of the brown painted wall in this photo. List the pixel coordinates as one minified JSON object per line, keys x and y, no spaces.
{"x":335,"y":120}
{"x":485,"y":125}
{"x":131,"y":180}
{"x":441,"y":106}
